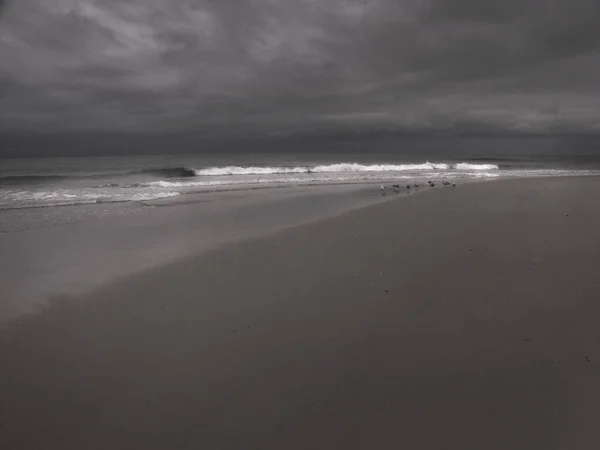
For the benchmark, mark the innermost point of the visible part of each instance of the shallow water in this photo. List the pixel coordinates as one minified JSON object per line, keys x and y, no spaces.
{"x":109,"y":242}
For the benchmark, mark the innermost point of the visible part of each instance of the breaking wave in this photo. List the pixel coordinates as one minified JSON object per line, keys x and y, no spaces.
{"x":341,"y":167}
{"x":188,"y":172}
{"x":252,"y":170}
{"x":467,"y":166}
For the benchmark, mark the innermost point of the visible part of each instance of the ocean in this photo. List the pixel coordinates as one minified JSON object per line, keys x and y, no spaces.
{"x":33,"y":187}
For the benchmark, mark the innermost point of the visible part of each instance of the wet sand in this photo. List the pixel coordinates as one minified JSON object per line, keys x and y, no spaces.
{"x":464,"y":318}
{"x":71,"y":250}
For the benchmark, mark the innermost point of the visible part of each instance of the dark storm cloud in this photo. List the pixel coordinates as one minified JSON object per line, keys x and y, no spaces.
{"x":299,"y":66}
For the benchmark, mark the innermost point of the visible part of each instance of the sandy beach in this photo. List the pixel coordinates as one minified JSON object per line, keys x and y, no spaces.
{"x":459,"y":318}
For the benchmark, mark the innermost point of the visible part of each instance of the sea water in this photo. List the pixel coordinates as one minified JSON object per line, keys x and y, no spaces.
{"x":124,"y":184}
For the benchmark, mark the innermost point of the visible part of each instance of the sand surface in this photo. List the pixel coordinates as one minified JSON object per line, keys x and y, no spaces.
{"x":462,"y":318}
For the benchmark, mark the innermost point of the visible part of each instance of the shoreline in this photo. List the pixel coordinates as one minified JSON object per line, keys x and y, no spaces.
{"x":233,"y":188}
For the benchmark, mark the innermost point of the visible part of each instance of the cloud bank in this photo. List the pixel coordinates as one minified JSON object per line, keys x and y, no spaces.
{"x":285,"y":67}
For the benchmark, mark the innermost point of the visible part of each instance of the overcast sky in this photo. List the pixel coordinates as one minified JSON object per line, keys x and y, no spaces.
{"x":280,"y":67}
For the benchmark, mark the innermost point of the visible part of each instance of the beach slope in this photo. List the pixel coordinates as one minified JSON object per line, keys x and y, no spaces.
{"x":459,"y":318}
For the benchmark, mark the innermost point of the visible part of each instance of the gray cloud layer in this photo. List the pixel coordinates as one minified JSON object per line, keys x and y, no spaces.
{"x":233,"y":67}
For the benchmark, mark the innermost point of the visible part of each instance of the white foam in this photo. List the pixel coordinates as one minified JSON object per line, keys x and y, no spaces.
{"x":354,"y":167}
{"x":187,"y":184}
{"x":329,"y":168}
{"x":485,"y":175}
{"x":151,"y":196}
{"x":252,"y":170}
{"x":27,"y":199}
{"x":468,"y":166}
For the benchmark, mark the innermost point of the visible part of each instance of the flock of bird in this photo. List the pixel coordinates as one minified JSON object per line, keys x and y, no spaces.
{"x":397,"y":188}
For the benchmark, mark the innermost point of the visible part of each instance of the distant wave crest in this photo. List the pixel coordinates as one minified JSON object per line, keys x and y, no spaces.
{"x":161,"y":172}
{"x":169,"y":172}
{"x":28,"y":179}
